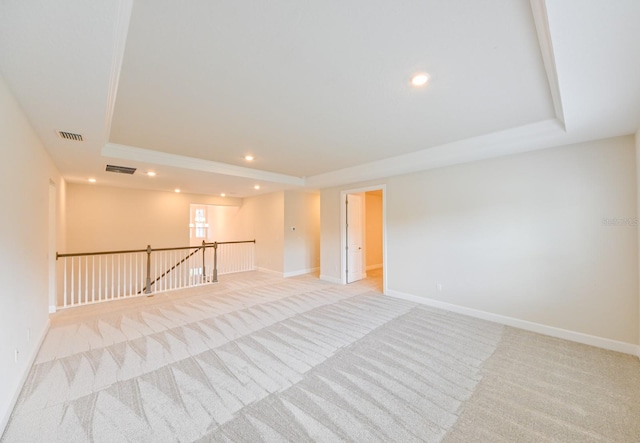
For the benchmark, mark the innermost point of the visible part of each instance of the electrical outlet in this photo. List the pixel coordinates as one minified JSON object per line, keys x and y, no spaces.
{"x":15,"y":356}
{"x":439,"y":286}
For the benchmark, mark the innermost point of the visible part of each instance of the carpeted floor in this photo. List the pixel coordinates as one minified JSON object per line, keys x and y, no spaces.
{"x":261,"y":358}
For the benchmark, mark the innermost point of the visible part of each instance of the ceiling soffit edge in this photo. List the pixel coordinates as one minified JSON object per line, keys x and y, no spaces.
{"x":541,"y":135}
{"x":120,"y":40}
{"x":541,"y":20}
{"x":132,"y":153}
{"x":528,"y":137}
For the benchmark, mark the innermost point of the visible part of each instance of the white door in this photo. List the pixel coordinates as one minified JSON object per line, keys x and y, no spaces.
{"x":355,"y":269}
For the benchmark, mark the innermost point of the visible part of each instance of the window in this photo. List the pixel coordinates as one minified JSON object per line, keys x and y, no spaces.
{"x":199,"y":225}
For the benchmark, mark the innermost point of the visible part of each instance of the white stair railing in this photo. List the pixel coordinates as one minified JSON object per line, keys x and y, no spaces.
{"x":102,"y":276}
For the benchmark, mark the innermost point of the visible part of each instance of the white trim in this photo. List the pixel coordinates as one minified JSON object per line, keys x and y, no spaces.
{"x":300,"y":272}
{"x":540,"y":135}
{"x":231,"y":272}
{"x":52,"y":213}
{"x":23,"y":379}
{"x":330,"y":279}
{"x":372,"y":267}
{"x":343,"y":241}
{"x":578,"y":337}
{"x":541,"y":20}
{"x":270,"y":271}
{"x":125,"y":152}
{"x":123,"y":17}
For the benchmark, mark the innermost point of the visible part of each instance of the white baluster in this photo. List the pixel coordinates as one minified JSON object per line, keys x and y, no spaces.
{"x":178,"y":269}
{"x":137,"y":274}
{"x":119,"y":286}
{"x":113,"y":277}
{"x":155,"y":270}
{"x":93,"y":278}
{"x":64,"y":289}
{"x":72,"y":281}
{"x":99,"y":277}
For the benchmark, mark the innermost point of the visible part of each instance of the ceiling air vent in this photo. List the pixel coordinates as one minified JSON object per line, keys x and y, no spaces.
{"x":70,"y":136}
{"x":121,"y":169}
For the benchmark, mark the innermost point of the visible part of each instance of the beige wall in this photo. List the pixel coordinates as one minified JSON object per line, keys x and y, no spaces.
{"x":520,"y":236}
{"x":102,"y":218}
{"x":373,"y":229}
{"x":330,"y":242}
{"x":107,"y":218}
{"x":263,"y":219}
{"x":269,"y":218}
{"x":26,"y":171}
{"x":224,"y":224}
{"x":302,"y":245}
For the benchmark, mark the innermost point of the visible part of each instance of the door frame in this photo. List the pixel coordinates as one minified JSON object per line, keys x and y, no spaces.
{"x":350,"y":207}
{"x":343,"y":231}
{"x":52,"y":231}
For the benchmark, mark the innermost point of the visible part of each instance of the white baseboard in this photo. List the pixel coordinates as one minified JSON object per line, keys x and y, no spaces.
{"x":372,"y":267}
{"x":300,"y":272}
{"x":23,"y":379}
{"x":330,"y":279}
{"x":235,"y":272}
{"x":578,"y":337}
{"x":270,"y":271}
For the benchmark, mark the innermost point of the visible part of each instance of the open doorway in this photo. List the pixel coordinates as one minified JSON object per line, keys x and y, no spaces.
{"x":355,"y":237}
{"x":363,"y":235}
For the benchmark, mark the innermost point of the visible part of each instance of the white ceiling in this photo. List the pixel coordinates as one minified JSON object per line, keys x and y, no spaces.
{"x":318,"y":91}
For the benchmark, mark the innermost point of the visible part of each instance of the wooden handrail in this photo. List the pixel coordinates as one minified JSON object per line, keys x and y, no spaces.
{"x":79,"y":254}
{"x":228,"y":242}
{"x":149,"y":250}
{"x":131,"y":251}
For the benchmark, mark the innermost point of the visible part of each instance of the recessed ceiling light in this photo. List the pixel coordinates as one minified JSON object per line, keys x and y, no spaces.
{"x":92,"y":180}
{"x":177,"y":190}
{"x":248,"y":158}
{"x":256,"y":187}
{"x":420,"y":79}
{"x":151,"y":173}
{"x":223,"y":195}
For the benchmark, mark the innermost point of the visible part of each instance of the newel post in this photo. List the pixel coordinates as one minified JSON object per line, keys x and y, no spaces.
{"x":215,"y":262}
{"x":204,"y":270}
{"x":148,"y":287}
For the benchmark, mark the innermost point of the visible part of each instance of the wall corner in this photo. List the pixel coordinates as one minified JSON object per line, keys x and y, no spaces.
{"x":637,"y":141}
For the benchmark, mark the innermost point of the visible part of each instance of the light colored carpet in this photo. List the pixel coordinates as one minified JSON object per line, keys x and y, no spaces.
{"x":260,"y":358}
